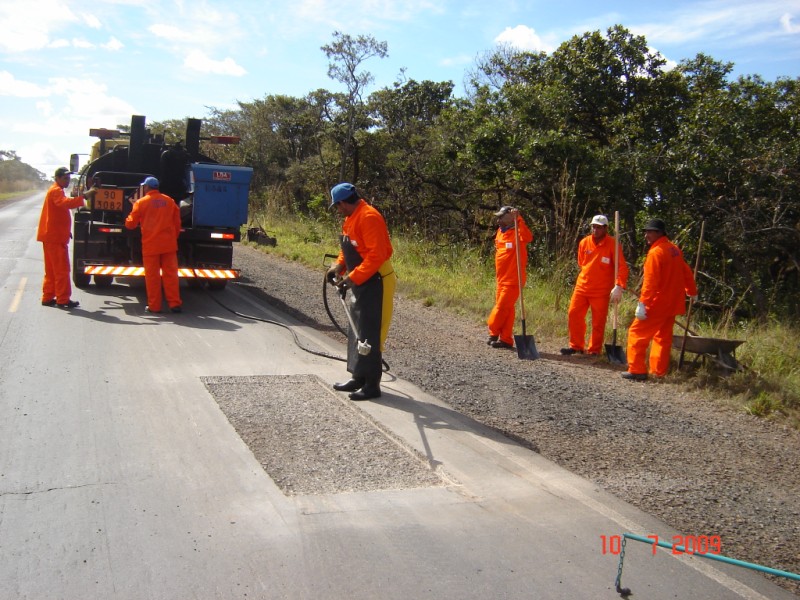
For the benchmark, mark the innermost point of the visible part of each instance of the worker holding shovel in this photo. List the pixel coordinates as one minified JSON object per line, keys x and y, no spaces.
{"x":600,"y":280}
{"x":510,"y":278}
{"x":667,"y":282}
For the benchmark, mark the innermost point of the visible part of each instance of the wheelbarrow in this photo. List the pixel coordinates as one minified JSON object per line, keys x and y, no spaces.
{"x":722,"y":352}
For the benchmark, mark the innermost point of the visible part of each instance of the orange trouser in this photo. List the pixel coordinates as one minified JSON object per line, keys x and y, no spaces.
{"x":160,"y":268}
{"x":576,"y":319}
{"x":56,"y":273}
{"x":658,"y":329}
{"x":501,"y":319}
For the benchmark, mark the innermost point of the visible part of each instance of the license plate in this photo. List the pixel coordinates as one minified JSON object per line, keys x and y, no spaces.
{"x":108,"y":199}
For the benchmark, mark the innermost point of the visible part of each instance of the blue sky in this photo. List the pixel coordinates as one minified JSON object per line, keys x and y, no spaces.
{"x":69,"y":65}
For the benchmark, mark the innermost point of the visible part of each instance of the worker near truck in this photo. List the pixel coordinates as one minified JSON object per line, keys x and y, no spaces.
{"x":595,"y":287}
{"x":507,"y":284}
{"x":160,"y":220}
{"x":667,"y":282}
{"x":55,"y":223}
{"x":363,"y":267}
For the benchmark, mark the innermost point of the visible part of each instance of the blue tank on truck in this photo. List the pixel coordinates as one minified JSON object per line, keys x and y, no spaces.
{"x":213,"y":200}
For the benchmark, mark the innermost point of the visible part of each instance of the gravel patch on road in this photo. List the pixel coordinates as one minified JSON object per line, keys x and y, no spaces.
{"x":678,"y":454}
{"x":310,"y":442}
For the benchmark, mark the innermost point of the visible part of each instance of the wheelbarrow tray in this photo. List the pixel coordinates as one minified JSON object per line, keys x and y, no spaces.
{"x":705,"y":345}
{"x":722,"y":352}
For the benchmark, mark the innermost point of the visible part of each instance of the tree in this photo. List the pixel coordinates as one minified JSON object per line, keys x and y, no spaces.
{"x":346,"y":54}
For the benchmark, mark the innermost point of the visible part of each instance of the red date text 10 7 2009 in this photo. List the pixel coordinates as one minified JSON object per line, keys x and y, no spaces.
{"x":681,"y":544}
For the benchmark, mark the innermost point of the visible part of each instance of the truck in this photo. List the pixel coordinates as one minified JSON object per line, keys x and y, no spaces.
{"x":213,"y":200}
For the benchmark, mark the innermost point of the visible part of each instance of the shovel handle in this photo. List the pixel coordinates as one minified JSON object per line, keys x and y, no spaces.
{"x":691,"y":302}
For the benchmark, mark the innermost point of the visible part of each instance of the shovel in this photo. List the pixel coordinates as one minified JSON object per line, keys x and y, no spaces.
{"x":616,"y":355}
{"x":526,"y":347}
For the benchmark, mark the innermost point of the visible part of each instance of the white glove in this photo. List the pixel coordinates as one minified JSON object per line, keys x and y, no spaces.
{"x":693,"y":298}
{"x":641,"y":312}
{"x":616,"y":294}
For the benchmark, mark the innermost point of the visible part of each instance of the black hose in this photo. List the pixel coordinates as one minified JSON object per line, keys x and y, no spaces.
{"x":284,"y":325}
{"x":325,"y":284}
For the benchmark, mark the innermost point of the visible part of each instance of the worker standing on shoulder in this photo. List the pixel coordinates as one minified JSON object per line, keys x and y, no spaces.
{"x":160,"y":219}
{"x":364,"y":267}
{"x":667,"y":282}
{"x":594,"y":288}
{"x":508,"y":284}
{"x":54,"y":232}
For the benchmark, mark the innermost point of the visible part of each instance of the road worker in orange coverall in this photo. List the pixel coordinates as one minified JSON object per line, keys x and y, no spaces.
{"x":55,"y":223}
{"x":160,"y":219}
{"x":594,"y":288}
{"x":364,"y":268}
{"x":667,"y":282}
{"x":501,"y":319}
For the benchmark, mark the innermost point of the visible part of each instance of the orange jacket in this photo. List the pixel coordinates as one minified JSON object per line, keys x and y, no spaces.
{"x":369,"y":235}
{"x":55,"y":220}
{"x":667,"y":280}
{"x":505,"y":257}
{"x":597,"y":267}
{"x":160,"y":218}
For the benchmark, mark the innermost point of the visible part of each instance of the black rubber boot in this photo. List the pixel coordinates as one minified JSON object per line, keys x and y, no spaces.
{"x":351,"y":385}
{"x":371,"y":389}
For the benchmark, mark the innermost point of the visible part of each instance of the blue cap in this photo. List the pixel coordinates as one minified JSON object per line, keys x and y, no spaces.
{"x":150,"y":182}
{"x":344,"y":192}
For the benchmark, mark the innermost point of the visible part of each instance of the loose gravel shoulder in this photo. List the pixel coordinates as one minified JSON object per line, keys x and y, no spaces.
{"x":675,"y":453}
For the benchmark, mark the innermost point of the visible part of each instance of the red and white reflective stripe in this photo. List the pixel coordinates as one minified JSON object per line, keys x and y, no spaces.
{"x":139,"y":272}
{"x":217,"y":273}
{"x":111,"y":270}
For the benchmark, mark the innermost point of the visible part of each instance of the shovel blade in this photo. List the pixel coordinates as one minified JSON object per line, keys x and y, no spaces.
{"x":616,"y":355}
{"x":526,"y":347}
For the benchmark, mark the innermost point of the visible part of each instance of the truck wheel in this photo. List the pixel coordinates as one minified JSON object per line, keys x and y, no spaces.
{"x":194,"y":283}
{"x":79,"y":278}
{"x":217,"y":284}
{"x":103,"y":281}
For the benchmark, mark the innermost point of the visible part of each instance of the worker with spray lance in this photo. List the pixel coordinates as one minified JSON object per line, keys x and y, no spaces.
{"x":363,"y":268}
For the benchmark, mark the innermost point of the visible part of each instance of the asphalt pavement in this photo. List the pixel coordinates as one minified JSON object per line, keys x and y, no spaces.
{"x":122,"y":478}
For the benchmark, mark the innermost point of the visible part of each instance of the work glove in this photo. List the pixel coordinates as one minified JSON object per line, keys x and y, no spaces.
{"x":332,"y":274}
{"x":693,"y":298}
{"x":641,"y":311}
{"x":616,"y":294}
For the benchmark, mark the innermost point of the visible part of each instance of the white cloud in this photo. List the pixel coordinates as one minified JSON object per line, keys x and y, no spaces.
{"x":112,"y":44}
{"x":82,"y":43}
{"x":455,"y":61}
{"x":736,"y":22}
{"x":11,"y":86}
{"x":92,"y":21}
{"x":523,"y":38}
{"x":199,"y":61}
{"x":788,"y":26}
{"x":29,"y":25}
{"x":173,"y":34}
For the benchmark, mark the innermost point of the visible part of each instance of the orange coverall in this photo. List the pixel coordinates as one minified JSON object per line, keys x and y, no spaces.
{"x":592,"y":290}
{"x":160,"y":219}
{"x":54,"y":233}
{"x":366,"y":229}
{"x":501,"y":319}
{"x":667,"y":282}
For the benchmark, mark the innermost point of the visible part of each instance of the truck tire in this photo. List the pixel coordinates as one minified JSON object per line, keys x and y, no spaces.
{"x":217,"y":284}
{"x":79,"y":278}
{"x":103,"y":281}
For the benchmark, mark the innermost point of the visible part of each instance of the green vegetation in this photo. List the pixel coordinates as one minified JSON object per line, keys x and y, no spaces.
{"x":16,"y":177}
{"x":461,"y":279}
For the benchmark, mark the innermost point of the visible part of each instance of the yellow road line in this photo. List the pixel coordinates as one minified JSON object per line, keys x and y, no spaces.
{"x":18,"y":295}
